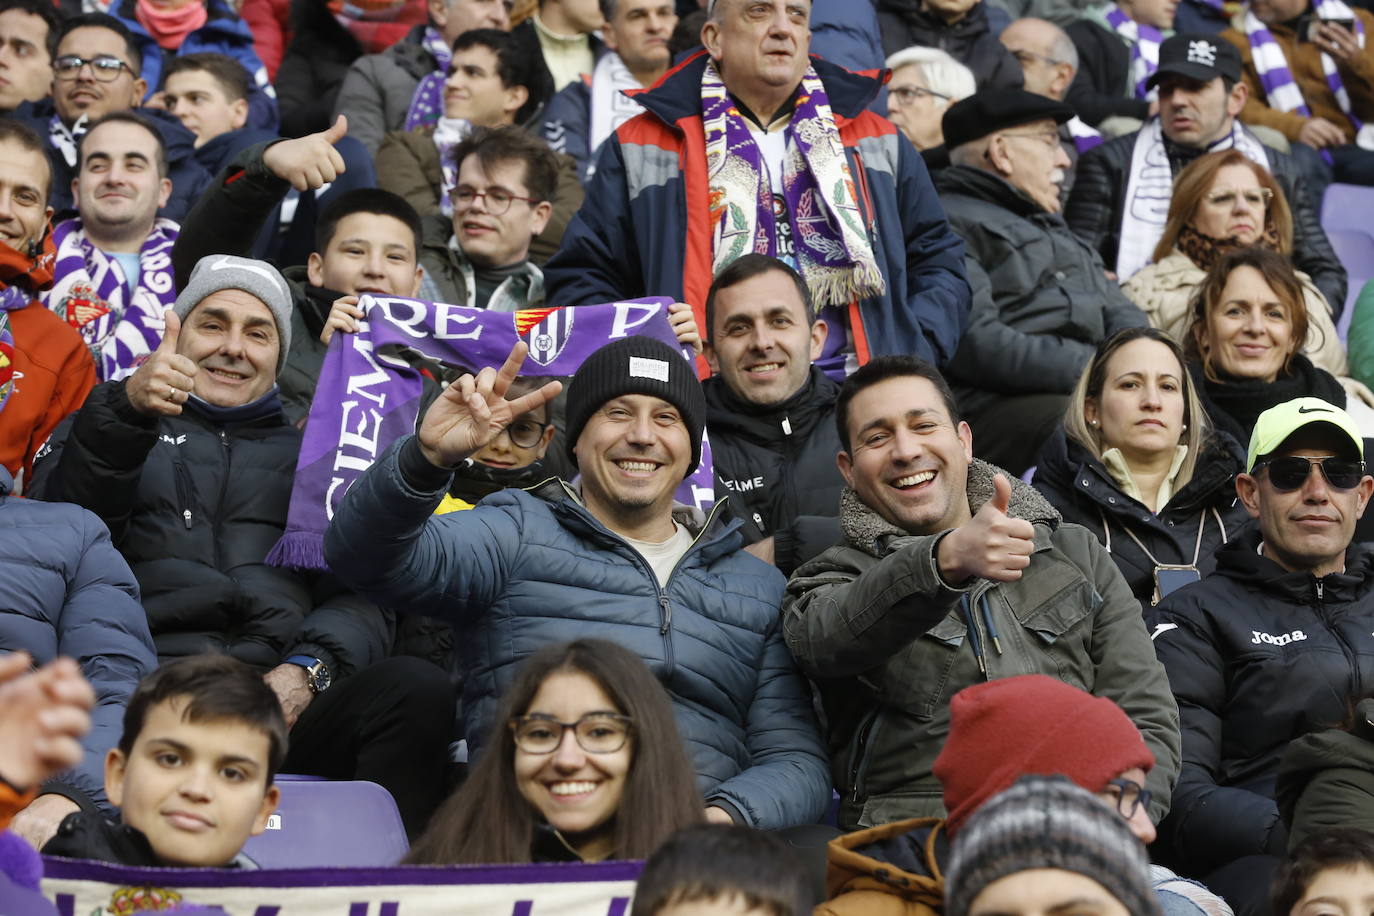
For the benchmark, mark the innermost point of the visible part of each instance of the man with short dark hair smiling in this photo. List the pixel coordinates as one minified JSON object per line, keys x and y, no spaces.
{"x":951,"y":573}
{"x":1272,"y":644}
{"x":770,"y":412}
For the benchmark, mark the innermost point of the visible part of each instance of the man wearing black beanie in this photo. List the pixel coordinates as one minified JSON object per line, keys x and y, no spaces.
{"x":611,"y":557}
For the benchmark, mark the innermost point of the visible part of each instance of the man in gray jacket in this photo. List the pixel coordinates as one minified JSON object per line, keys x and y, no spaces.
{"x":1041,"y":299}
{"x":951,"y":574}
{"x":614,"y":559}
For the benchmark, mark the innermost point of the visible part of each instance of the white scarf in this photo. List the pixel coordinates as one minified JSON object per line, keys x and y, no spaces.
{"x":1150,"y":186}
{"x":610,"y":106}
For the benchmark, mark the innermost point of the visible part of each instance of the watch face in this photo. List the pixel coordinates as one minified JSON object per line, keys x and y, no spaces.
{"x":320,"y":679}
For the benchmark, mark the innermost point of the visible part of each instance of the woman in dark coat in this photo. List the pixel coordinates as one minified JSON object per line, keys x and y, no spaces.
{"x":1137,"y":464}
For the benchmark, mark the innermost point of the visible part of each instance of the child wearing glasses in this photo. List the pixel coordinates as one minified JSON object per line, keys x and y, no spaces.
{"x":587,"y":766}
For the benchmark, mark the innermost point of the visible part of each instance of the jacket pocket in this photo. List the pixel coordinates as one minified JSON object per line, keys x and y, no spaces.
{"x":1059,"y":628}
{"x":920,"y":675}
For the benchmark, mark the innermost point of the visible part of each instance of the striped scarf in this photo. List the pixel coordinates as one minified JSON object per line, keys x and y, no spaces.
{"x":1281,"y":90}
{"x":1144,"y":41}
{"x":1084,"y":137}
{"x":828,"y":231}
{"x":11,"y":298}
{"x":121,"y":326}
{"x":427,"y":103}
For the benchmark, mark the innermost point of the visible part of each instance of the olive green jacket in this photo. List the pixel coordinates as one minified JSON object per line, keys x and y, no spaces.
{"x":887,"y":643}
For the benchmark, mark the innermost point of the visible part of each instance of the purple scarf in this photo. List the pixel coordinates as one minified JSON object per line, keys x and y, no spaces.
{"x":11,"y":298}
{"x":427,"y":103}
{"x":828,"y":232}
{"x":1144,"y":41}
{"x":369,"y":393}
{"x":121,"y":326}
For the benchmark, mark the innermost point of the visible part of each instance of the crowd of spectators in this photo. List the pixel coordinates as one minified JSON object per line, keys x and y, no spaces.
{"x":1009,"y":338}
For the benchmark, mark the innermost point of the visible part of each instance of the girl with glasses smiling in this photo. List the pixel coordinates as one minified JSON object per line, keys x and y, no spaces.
{"x":1223,"y":202}
{"x":586,"y":764}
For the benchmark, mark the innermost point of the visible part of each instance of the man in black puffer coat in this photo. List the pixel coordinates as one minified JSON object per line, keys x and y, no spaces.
{"x":770,"y":413}
{"x":1271,"y":645}
{"x":965,"y":29}
{"x":190,"y":463}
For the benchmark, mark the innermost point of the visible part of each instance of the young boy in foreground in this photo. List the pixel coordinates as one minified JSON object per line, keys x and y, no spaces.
{"x":192,"y":774}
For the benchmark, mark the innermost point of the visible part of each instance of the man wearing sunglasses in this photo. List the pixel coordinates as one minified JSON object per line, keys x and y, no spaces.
{"x":1271,"y":644}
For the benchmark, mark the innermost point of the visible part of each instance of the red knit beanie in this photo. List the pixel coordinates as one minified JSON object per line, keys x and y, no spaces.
{"x":1031,"y":724}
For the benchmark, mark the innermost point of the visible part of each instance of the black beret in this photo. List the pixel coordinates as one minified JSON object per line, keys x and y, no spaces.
{"x":992,"y":110}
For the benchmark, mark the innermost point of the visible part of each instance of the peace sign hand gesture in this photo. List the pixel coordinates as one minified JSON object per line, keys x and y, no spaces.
{"x":472,"y":411}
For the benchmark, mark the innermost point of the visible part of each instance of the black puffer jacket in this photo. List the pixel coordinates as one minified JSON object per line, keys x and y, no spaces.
{"x":970,"y":41}
{"x":313,"y":68}
{"x":195,"y":507}
{"x":1041,"y":303}
{"x":1079,"y":486}
{"x":1099,"y":200}
{"x":1257,"y":656}
{"x":777,"y":465}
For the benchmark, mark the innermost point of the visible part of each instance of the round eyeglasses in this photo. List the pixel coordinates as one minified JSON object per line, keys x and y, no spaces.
{"x":596,"y":732}
{"x":524,"y":432}
{"x":497,"y":200}
{"x":1130,"y":795}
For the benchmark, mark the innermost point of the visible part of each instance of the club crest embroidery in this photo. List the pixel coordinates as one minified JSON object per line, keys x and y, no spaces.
{"x":546,"y":331}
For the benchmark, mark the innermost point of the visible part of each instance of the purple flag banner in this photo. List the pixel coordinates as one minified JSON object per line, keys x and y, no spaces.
{"x":78,"y":888}
{"x":369,"y":390}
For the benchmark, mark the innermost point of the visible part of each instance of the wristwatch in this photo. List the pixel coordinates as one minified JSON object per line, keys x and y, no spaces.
{"x":316,"y":672}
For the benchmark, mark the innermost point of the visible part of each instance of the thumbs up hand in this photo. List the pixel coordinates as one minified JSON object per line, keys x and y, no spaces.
{"x":991,"y":545}
{"x":308,"y":162}
{"x":163,"y":383}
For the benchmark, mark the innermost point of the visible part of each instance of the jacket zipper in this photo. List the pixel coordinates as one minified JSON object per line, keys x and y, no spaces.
{"x":185,"y":490}
{"x":223,"y":488}
{"x":1351,"y":658}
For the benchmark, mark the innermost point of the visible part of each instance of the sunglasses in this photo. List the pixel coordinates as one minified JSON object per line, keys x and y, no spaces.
{"x":1291,"y":472}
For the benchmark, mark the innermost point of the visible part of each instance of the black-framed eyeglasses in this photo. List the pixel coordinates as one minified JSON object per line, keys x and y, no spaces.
{"x":497,"y":199}
{"x":1130,"y":795}
{"x":524,"y":432}
{"x":105,"y":69}
{"x":1291,"y":471}
{"x":596,"y":732}
{"x":907,"y":95}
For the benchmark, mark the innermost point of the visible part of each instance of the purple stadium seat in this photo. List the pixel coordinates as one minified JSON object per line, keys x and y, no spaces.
{"x":1355,"y":248}
{"x":330,"y":823}
{"x":1347,"y":206}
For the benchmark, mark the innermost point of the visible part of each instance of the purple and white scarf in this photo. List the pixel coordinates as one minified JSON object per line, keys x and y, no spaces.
{"x":828,"y":232}
{"x":369,"y":391}
{"x":1144,"y":41}
{"x":1281,"y":90}
{"x":90,"y":292}
{"x":1084,"y":137}
{"x":11,"y":298}
{"x":427,"y":103}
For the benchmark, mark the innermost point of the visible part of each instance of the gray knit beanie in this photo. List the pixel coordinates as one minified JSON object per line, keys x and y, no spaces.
{"x":636,"y":365}
{"x":257,"y":278}
{"x":1048,"y":822}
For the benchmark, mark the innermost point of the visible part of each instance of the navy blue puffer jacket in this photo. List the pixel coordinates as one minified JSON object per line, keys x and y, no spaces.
{"x":69,"y":592}
{"x":526,"y":569}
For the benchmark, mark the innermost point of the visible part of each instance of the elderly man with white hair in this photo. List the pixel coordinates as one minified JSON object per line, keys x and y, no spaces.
{"x":1041,"y":299}
{"x":925,"y":82}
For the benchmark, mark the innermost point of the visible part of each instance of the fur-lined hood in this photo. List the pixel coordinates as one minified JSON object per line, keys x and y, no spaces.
{"x":868,"y":531}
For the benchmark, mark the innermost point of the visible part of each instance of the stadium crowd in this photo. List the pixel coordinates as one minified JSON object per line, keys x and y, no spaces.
{"x":949,"y":500}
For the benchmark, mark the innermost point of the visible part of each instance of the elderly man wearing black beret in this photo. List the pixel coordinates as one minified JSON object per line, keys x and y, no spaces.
{"x":1042,"y":300}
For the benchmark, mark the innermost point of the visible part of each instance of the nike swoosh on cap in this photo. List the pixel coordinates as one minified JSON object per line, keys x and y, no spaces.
{"x":1313,"y":410}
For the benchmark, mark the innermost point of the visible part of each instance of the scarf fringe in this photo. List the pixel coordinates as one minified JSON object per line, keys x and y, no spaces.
{"x":840,"y":286}
{"x":299,"y":549}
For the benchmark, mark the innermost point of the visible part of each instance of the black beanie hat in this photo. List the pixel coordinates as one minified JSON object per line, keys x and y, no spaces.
{"x":636,"y":365}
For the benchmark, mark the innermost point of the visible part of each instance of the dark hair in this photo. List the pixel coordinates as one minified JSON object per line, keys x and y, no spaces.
{"x":1335,"y":847}
{"x":106,"y":21}
{"x":234,"y":81}
{"x":746,"y":267}
{"x":127,"y":117}
{"x":217,"y":688}
{"x":27,"y":138}
{"x":1277,"y":270}
{"x":488,"y":821}
{"x":515,"y":66}
{"x":493,"y":145}
{"x":880,"y":369}
{"x":366,"y":200}
{"x":711,"y":861}
{"x":43,"y":9}
{"x":687,"y":35}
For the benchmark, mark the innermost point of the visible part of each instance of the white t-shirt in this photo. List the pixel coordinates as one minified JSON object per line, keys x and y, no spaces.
{"x":663,"y":555}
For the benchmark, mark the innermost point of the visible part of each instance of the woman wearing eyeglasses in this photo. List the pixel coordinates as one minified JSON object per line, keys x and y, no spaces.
{"x":1137,"y":463}
{"x":925,"y":82}
{"x":1246,"y":324}
{"x":1223,"y":202}
{"x":587,"y":765}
